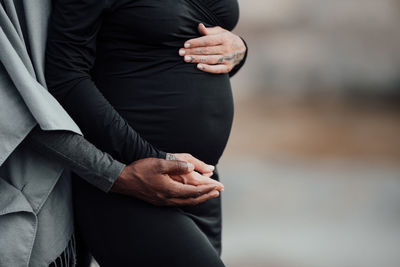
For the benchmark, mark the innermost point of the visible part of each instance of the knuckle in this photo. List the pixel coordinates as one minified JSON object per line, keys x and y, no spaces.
{"x":160,"y":196}
{"x":201,"y":51}
{"x":198,"y":193}
{"x":182,"y":166}
{"x":203,"y":60}
{"x":161,"y":166}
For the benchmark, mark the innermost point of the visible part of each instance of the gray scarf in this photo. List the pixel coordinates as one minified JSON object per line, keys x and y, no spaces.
{"x":24,"y":99}
{"x":35,"y":195}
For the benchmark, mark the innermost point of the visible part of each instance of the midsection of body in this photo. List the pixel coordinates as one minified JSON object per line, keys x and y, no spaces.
{"x":172,"y":104}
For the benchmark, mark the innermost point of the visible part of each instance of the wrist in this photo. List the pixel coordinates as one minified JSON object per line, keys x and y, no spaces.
{"x":121,"y":181}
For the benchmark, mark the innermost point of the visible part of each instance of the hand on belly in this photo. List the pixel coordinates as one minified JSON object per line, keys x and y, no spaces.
{"x":217,"y":51}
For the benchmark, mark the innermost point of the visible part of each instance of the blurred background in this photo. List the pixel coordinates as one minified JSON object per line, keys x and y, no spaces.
{"x":312,"y":168}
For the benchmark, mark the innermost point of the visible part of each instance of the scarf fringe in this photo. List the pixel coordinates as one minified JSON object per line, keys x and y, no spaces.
{"x":67,"y":257}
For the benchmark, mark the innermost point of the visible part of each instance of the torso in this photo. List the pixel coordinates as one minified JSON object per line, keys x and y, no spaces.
{"x":172,"y":104}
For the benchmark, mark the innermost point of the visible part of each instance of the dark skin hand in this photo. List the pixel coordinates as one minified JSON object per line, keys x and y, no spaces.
{"x":148,"y":179}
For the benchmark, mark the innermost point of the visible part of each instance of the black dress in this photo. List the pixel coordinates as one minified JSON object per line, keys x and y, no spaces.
{"x":114,"y":65}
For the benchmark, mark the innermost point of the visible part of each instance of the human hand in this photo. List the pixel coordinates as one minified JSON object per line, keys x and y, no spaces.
{"x":148,"y":180}
{"x":217,"y":51}
{"x":198,"y":177}
{"x":200,"y":166}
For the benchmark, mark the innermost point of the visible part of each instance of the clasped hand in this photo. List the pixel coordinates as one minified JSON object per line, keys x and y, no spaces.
{"x":179,"y":180}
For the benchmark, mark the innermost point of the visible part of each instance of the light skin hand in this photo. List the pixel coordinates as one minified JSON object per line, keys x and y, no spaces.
{"x":201,"y":175}
{"x":149,"y":180}
{"x":217,"y":51}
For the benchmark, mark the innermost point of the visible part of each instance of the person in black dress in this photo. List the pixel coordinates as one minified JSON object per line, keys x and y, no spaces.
{"x":114,"y":66}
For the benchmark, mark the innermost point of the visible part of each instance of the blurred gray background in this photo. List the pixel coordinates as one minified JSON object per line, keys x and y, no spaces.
{"x":312,"y":168}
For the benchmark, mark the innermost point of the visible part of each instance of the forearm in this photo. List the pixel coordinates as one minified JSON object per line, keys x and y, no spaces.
{"x":76,"y":153}
{"x":102,"y":125}
{"x":70,"y":59}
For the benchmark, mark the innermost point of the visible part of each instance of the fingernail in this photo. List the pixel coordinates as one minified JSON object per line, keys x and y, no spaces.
{"x":187,"y":45}
{"x":187,"y":58}
{"x":182,"y":52}
{"x":216,"y":193}
{"x":211,"y":167}
{"x":199,"y":66}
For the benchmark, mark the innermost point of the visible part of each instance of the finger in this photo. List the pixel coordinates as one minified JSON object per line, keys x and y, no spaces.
{"x":202,"y":29}
{"x":210,"y":50}
{"x":175,"y":167}
{"x":209,"y":30}
{"x":179,"y":178}
{"x":178,"y":190}
{"x":209,"y":40}
{"x":199,"y":165}
{"x":210,"y":60}
{"x":208,"y":174}
{"x":216,"y":69}
{"x":200,"y":179}
{"x":194,"y":178}
{"x":193,"y":201}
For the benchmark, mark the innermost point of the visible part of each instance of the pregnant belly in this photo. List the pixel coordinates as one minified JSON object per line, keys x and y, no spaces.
{"x":176,"y":111}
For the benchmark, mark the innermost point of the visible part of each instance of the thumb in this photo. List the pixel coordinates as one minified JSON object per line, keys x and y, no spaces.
{"x":210,"y":30}
{"x":199,"y":165}
{"x":202,"y":29}
{"x":176,"y":167}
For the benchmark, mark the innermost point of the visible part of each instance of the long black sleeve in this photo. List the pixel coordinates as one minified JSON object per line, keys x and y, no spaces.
{"x":76,"y":153}
{"x":70,"y":56}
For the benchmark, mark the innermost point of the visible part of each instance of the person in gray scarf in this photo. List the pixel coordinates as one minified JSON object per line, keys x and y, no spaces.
{"x":40,"y":143}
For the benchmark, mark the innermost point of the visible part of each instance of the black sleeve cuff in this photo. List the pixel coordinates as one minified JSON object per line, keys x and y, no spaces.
{"x":161,"y":155}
